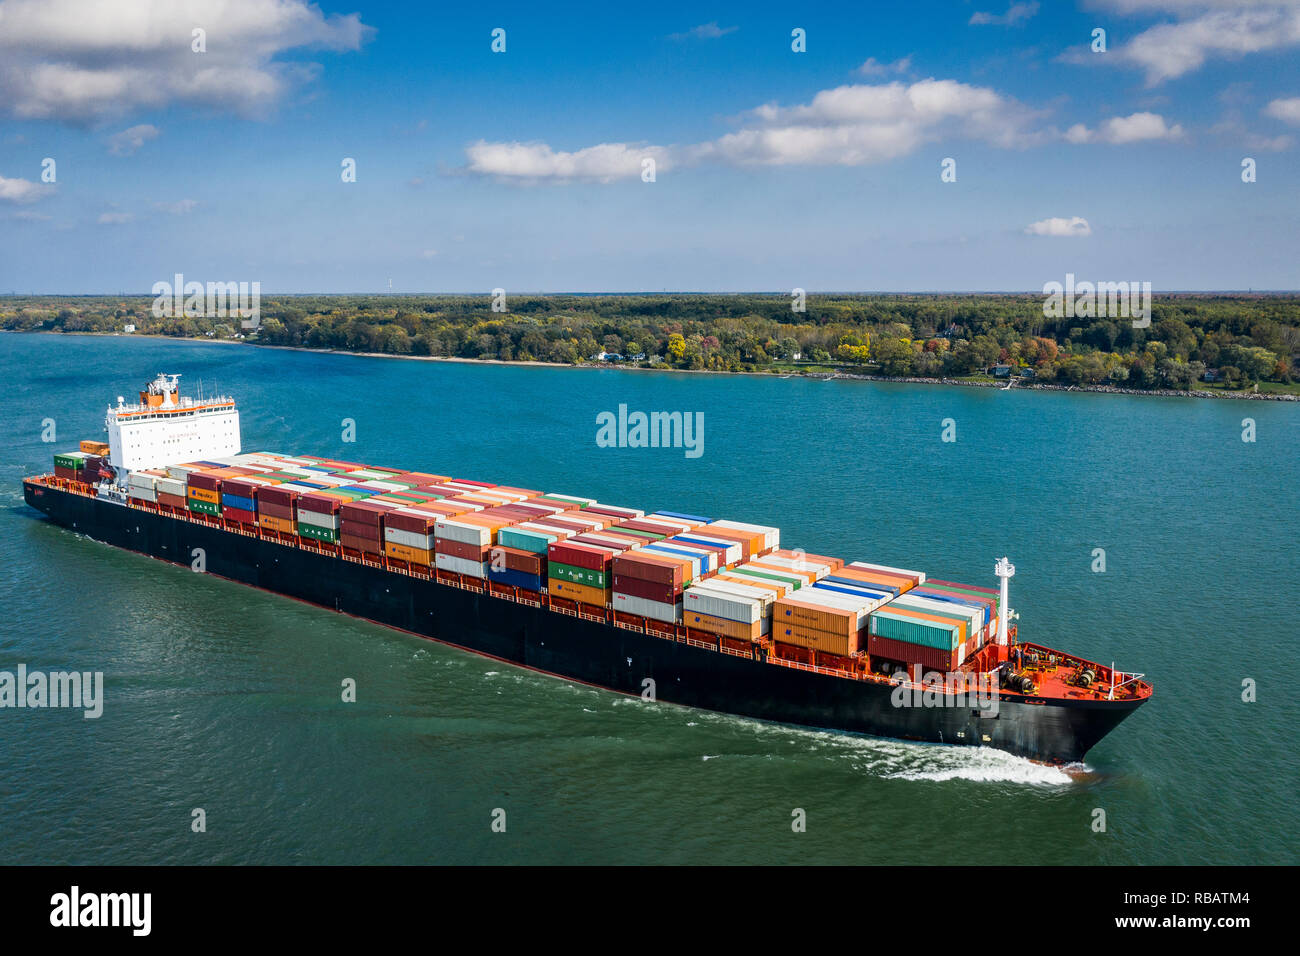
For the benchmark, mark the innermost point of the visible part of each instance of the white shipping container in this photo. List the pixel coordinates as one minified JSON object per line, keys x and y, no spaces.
{"x":803,"y":565}
{"x":464,"y":533}
{"x":974,"y":616}
{"x":381,"y":486}
{"x":143,"y":494}
{"x":179,"y":472}
{"x":447,"y":562}
{"x":142,"y":479}
{"x":767,"y":597}
{"x":732,"y":607}
{"x":412,"y":539}
{"x":655,"y":610}
{"x":317,"y":519}
{"x":170,"y":486}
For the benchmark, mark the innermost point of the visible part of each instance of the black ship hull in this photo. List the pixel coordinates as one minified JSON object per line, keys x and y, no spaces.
{"x":589,"y":651}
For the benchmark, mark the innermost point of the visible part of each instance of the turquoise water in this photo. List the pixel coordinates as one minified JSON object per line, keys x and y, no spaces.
{"x":227,"y":698}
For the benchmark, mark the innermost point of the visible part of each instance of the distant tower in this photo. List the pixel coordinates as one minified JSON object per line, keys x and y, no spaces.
{"x":1005,"y":570}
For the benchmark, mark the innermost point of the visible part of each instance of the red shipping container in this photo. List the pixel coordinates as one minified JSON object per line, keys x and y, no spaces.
{"x":171,"y":501}
{"x":240,"y":515}
{"x":953,"y":584}
{"x":361,"y":544}
{"x":241,"y":487}
{"x":603,"y":542}
{"x":650,"y":590}
{"x":360,"y":529}
{"x":459,"y":549}
{"x":930,"y":658}
{"x":365,"y":512}
{"x":648,"y":568}
{"x":199,"y":479}
{"x":320,"y":504}
{"x":579,"y":555}
{"x":272,"y":510}
{"x":476,"y":484}
{"x":515,"y":559}
{"x":421,"y":523}
{"x":272,"y":494}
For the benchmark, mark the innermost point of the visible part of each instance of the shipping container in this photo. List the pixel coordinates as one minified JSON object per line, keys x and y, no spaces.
{"x":476,"y":553}
{"x":579,"y":555}
{"x":316,"y":532}
{"x":657,"y":611}
{"x":723,"y":627}
{"x":702,"y":599}
{"x":243,"y":516}
{"x":583,"y":593}
{"x":916,"y":577}
{"x":276,"y":524}
{"x":915,"y":628}
{"x":576,"y":575}
{"x":649,"y":590}
{"x":403,"y":552}
{"x":908,"y":653}
{"x":844,"y":643}
{"x":517,"y":579}
{"x":502,"y":558}
{"x":645,"y":564}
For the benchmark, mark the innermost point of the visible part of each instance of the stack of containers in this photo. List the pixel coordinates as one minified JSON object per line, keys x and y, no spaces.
{"x":171,"y":489}
{"x":756,"y":539}
{"x":203,"y":492}
{"x":987,"y":596}
{"x":361,"y":525}
{"x":98,"y":448}
{"x":410,"y":530}
{"x":824,"y":621}
{"x":238,"y":498}
{"x":516,"y":567}
{"x":579,"y":568}
{"x":143,"y":485}
{"x":276,"y":504}
{"x":648,"y":583}
{"x":933,"y":632}
{"x":318,"y":514}
{"x":729,"y":609}
{"x":462,"y":543}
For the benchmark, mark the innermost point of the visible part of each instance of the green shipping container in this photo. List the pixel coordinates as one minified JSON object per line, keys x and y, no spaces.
{"x":925,"y":633}
{"x":648,"y":535}
{"x":203,"y":507}
{"x":525,"y":540}
{"x":328,"y":535}
{"x":567,"y":572}
{"x":69,"y":461}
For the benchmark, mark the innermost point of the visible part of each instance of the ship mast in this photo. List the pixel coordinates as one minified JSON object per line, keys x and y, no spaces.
{"x":1005,"y":570}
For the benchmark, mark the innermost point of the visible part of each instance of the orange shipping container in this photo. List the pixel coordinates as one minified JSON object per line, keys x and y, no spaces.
{"x":789,"y":611}
{"x":405,"y":553}
{"x":750,"y":544}
{"x":874,"y":577}
{"x":818,"y":640}
{"x":579,"y":592}
{"x":277,"y":524}
{"x":722,"y":626}
{"x":202,"y":494}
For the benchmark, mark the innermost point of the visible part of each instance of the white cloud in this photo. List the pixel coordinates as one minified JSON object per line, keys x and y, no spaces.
{"x":1202,"y":29}
{"x":84,"y":60}
{"x":1016,"y":13}
{"x":1287,"y":110}
{"x":874,"y":67}
{"x":22,"y":190}
{"x":114,"y":218}
{"x":1119,"y":130}
{"x":1056,"y":226}
{"x":537,"y":161}
{"x":705,"y":31}
{"x":428,"y":253}
{"x":181,"y":207}
{"x":129,"y":140}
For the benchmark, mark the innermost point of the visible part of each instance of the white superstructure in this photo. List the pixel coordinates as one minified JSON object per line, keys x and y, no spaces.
{"x":164,"y":428}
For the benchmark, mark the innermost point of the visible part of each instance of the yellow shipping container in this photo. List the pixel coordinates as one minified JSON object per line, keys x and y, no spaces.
{"x":95,"y":447}
{"x":579,"y":592}
{"x":405,"y":552}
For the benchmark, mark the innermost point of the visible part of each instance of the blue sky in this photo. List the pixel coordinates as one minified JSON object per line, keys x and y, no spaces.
{"x":522,"y":169}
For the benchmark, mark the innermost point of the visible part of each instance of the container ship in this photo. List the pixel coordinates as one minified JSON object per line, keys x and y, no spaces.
{"x":700,"y":611}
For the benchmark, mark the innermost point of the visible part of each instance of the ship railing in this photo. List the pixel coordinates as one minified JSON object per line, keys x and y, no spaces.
{"x":814,"y":668}
{"x":696,"y":642}
{"x":749,"y":654}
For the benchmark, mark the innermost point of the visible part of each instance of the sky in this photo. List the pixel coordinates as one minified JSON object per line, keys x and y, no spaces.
{"x":526,"y":169}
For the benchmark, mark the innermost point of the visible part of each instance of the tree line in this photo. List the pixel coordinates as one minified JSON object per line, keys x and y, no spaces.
{"x":1244,"y":338}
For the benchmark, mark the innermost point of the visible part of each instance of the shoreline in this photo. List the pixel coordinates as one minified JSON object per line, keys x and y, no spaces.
{"x":821,"y":376}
